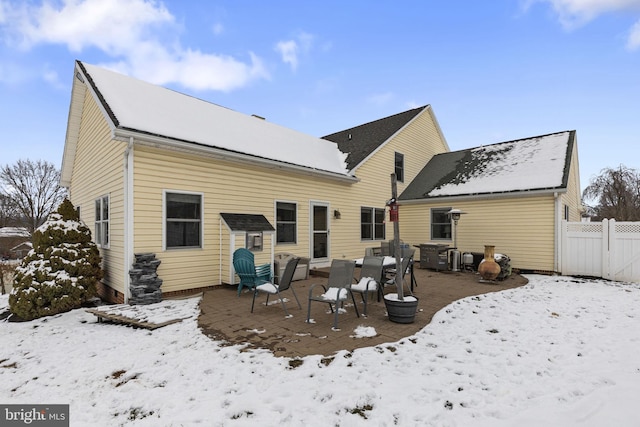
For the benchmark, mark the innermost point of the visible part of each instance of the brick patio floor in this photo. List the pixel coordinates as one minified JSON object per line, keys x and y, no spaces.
{"x":227,"y":317}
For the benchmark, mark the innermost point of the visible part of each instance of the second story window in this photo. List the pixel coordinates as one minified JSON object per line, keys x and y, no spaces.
{"x":399,"y":167}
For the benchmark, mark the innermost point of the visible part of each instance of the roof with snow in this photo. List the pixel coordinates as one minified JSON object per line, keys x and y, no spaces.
{"x":14,"y":232}
{"x":148,"y":110}
{"x":532,"y":164}
{"x":360,"y":141}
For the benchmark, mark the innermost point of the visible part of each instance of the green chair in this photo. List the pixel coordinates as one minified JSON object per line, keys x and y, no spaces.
{"x":250,"y":274}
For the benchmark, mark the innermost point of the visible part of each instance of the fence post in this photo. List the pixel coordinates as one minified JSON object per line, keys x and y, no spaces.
{"x":611,"y":248}
{"x":605,"y":249}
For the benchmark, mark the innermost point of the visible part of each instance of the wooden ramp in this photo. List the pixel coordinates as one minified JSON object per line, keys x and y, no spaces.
{"x":152,"y":316}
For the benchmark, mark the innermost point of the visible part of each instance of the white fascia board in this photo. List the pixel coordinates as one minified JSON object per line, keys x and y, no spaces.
{"x":485,"y":196}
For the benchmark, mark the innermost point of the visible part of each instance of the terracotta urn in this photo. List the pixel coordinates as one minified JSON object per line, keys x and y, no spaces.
{"x":489,"y":268}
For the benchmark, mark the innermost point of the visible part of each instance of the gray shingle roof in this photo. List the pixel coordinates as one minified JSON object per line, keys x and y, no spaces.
{"x":530,"y":164}
{"x":247,"y":222}
{"x":360,"y":141}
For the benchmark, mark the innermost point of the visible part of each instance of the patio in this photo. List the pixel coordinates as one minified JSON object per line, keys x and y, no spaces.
{"x":227,"y":317}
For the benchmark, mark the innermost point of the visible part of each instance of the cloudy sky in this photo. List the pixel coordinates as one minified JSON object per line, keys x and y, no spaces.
{"x":492,"y":71}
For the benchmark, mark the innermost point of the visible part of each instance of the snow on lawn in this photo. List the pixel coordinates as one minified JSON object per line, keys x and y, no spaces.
{"x":556,"y":352}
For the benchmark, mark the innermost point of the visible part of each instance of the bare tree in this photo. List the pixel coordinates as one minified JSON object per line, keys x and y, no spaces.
{"x":616,"y":193}
{"x":8,"y":213}
{"x":34,"y":190}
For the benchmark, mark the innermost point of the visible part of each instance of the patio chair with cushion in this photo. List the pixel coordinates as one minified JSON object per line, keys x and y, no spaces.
{"x":284,"y":284}
{"x":370,"y":278}
{"x":250,"y":275}
{"x":338,"y":289}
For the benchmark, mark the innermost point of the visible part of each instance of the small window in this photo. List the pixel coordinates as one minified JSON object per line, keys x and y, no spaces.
{"x":372,"y":224}
{"x":101,"y":232}
{"x":399,"y":167}
{"x":254,"y":241}
{"x":440,"y":224}
{"x":183,"y":214}
{"x":286,"y":222}
{"x":566,"y":212}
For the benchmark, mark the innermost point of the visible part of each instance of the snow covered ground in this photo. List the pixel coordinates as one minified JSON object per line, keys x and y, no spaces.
{"x":558,"y":352}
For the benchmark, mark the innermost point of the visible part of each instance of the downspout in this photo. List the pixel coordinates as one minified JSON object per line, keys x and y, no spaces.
{"x":128,"y":217}
{"x":557,"y":250}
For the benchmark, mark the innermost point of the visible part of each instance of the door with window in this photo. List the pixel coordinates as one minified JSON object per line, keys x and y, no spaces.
{"x":319,"y":231}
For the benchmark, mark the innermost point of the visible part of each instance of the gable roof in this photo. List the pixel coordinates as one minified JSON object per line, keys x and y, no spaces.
{"x":538,"y":163}
{"x":360,"y":141}
{"x":148,"y":112}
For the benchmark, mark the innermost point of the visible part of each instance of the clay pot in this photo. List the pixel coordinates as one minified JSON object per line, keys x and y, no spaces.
{"x":489,"y":268}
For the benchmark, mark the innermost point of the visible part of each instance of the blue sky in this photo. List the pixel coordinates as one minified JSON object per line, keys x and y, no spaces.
{"x":493,"y":71}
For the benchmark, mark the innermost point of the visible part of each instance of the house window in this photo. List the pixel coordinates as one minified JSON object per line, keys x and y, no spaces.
{"x":101,"y":233}
{"x":183,"y":216}
{"x":440,"y":224}
{"x":399,"y":167}
{"x":372,"y":224}
{"x":286,"y":222}
{"x":566,"y":213}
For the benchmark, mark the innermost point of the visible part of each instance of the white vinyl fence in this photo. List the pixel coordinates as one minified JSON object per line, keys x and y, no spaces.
{"x":606,"y":249}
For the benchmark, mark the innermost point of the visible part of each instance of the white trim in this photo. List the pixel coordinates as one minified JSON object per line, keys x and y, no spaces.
{"x":164,"y":220}
{"x":484,"y":196}
{"x":227,"y":155}
{"x":128,"y":220}
{"x":327,"y":205}
{"x":100,"y":236}
{"x":275,"y":220}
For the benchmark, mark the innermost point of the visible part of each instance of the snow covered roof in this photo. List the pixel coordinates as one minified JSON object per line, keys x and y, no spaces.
{"x":536,"y":163}
{"x":150,"y":110}
{"x":14,"y":232}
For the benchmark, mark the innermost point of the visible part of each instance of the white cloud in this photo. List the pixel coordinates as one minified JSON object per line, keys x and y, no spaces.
{"x":633,"y":41}
{"x":290,"y":50}
{"x":575,"y":13}
{"x":139,"y":34}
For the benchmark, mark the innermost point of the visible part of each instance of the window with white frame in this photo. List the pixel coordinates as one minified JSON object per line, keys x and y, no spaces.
{"x":183,"y":220}
{"x":399,"y":166}
{"x":101,"y":232}
{"x":286,"y":222}
{"x":440,"y":224}
{"x":372,"y":224}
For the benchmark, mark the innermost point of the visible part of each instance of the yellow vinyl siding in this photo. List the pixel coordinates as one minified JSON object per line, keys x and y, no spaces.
{"x":522,"y":228}
{"x":419,"y":142}
{"x":226,"y":187}
{"x":98,"y":171}
{"x":236,"y":188}
{"x":573,"y":196}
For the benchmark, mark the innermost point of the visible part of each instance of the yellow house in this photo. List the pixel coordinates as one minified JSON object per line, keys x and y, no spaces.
{"x":153,"y":171}
{"x":514,"y":194}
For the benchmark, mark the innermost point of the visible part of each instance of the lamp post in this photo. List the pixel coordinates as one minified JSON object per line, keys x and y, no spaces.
{"x":454,"y":214}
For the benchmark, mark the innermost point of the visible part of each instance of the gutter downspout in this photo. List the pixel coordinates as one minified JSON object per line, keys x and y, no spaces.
{"x":557,"y":250}
{"x":128,"y":217}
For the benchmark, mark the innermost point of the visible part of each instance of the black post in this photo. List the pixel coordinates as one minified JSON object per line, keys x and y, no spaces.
{"x":396,"y":239}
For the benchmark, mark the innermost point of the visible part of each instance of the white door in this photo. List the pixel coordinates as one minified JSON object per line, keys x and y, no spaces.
{"x":319,"y":231}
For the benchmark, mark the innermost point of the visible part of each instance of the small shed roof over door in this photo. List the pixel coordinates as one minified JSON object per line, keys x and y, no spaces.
{"x":247,"y":222}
